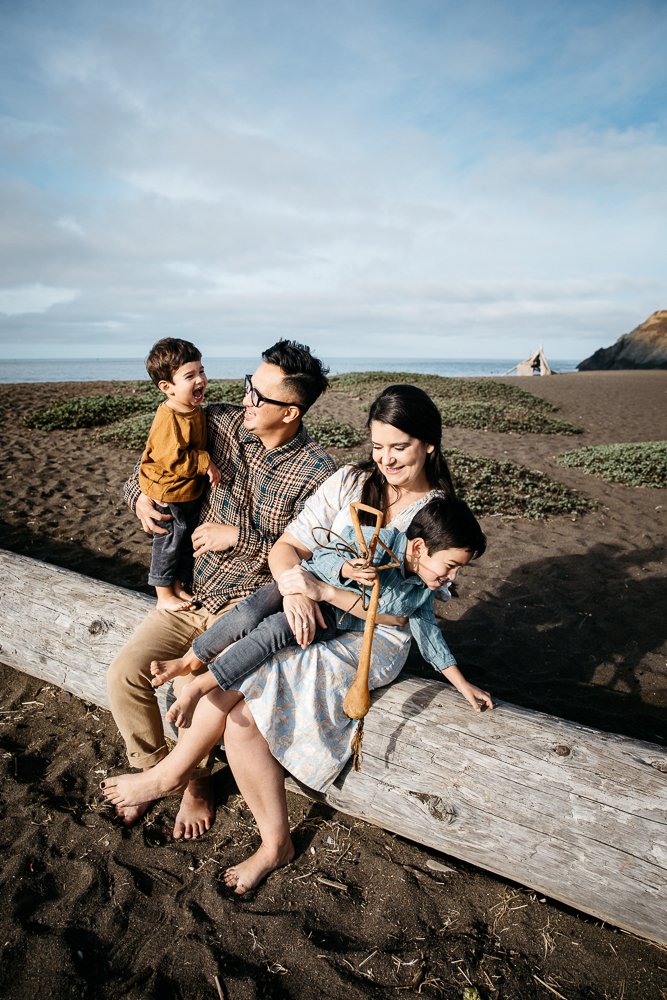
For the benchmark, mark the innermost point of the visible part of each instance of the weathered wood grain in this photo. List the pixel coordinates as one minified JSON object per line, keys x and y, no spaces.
{"x":574,"y":813}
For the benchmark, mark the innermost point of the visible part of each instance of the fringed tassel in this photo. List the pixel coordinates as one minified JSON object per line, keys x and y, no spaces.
{"x":357,"y":743}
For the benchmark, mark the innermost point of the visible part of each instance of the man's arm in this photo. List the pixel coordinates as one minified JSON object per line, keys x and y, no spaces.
{"x":143,"y":506}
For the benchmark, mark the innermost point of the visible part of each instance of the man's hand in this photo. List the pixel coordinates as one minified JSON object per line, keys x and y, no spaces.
{"x":213,"y":473}
{"x":150,"y":517}
{"x":210,"y":537}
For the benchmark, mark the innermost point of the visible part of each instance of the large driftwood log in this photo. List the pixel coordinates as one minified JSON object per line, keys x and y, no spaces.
{"x":571,"y":812}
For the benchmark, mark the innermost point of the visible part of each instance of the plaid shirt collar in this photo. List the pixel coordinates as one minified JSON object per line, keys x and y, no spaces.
{"x":274,"y":456}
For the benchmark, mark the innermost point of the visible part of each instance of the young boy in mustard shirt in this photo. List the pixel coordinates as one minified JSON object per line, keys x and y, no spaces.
{"x":175,"y":464}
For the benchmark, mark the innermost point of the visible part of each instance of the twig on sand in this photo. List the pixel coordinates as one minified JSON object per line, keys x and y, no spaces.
{"x":222,"y":992}
{"x":547,"y":987}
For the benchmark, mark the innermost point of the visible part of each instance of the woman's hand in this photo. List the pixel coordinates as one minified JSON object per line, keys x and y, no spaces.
{"x":299,"y":581}
{"x":301,"y":591}
{"x":303,"y":616}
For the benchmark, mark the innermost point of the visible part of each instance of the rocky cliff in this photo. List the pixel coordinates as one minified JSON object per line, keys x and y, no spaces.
{"x":645,"y":347}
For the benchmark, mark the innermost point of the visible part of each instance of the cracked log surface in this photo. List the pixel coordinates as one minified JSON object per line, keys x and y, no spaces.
{"x":573,"y":813}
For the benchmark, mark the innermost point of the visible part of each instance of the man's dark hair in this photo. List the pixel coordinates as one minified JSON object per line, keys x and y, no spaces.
{"x":448,"y":524}
{"x":304,"y":373}
{"x":167,"y":356}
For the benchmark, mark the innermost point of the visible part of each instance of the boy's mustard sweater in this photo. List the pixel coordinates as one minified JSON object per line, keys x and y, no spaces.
{"x":175,"y":459}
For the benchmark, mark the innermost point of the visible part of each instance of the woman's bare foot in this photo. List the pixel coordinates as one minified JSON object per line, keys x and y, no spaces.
{"x":137,"y":790}
{"x":197,"y":810}
{"x":182,"y":710}
{"x":165,"y":670}
{"x":249,"y":873}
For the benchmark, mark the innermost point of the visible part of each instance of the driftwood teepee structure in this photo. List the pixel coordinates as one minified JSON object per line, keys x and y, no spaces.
{"x":536,"y":364}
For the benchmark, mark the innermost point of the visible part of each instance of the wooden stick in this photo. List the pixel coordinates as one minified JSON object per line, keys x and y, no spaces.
{"x":358,"y":699}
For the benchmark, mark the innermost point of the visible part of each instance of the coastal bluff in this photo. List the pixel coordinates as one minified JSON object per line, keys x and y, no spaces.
{"x":644,"y":347}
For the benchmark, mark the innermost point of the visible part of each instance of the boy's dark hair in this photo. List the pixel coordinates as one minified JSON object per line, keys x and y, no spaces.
{"x":448,"y":524}
{"x":167,"y":356}
{"x":304,"y":373}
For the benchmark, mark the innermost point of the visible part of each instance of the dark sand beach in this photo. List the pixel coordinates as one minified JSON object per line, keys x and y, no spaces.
{"x":565,"y":616}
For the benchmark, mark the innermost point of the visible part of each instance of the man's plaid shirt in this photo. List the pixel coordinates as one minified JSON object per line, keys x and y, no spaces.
{"x":260,"y":492}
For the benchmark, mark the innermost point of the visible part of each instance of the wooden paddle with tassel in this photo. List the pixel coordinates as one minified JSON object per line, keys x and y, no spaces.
{"x":358,"y":698}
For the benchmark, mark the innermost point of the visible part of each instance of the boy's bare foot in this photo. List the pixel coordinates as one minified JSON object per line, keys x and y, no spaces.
{"x":197,"y":810}
{"x":136,"y":790}
{"x":249,"y":873}
{"x":165,"y":670}
{"x":182,"y":710}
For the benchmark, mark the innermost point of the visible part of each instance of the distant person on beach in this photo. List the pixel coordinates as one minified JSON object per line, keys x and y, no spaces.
{"x":175,"y":465}
{"x":269,"y":465}
{"x":288,"y":714}
{"x":442,"y":537}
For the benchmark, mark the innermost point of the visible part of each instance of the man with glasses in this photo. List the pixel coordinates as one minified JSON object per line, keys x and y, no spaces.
{"x":269,"y":465}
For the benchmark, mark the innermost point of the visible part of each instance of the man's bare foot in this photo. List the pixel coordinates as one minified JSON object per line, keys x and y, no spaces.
{"x":182,"y":710}
{"x":130,"y":815}
{"x":137,"y":790}
{"x":249,"y":873}
{"x":197,"y":810}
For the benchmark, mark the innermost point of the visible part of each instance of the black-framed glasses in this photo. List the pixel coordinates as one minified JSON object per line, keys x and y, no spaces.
{"x":256,"y":397}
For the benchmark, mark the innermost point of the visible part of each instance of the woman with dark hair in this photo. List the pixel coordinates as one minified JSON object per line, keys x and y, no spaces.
{"x":288,"y":714}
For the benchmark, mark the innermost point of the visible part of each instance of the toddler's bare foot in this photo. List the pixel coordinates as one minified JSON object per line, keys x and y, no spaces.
{"x":182,"y":710}
{"x":181,"y":592}
{"x":249,"y":873}
{"x":197,"y":810}
{"x":170,"y":602}
{"x":136,"y":790}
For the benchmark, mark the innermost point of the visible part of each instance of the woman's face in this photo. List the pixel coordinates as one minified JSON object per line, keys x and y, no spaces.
{"x":399,"y":457}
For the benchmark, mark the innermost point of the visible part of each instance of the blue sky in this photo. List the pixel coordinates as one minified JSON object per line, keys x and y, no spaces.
{"x":402,"y":178}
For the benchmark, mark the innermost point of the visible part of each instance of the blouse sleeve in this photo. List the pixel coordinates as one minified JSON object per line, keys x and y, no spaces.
{"x":322,"y":508}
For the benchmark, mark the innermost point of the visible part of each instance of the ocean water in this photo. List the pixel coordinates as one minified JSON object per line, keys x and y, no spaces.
{"x":130,"y":369}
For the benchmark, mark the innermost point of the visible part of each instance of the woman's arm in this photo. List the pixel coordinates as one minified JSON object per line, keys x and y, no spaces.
{"x":300,"y":581}
{"x":303,"y":613}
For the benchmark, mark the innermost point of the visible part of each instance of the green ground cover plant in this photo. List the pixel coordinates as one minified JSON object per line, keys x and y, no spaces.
{"x":333,"y":433}
{"x":98,"y":411}
{"x":478,"y":404}
{"x":502,"y":488}
{"x":133,"y":431}
{"x":84,"y":411}
{"x":638,"y":463}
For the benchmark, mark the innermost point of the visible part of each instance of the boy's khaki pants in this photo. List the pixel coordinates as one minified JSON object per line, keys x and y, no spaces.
{"x":163,"y":635}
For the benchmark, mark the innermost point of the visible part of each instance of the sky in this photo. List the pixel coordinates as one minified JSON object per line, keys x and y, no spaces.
{"x":385,"y":178}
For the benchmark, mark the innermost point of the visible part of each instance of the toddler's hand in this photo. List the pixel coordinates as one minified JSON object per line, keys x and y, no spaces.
{"x":213,"y":473}
{"x":359,"y":570}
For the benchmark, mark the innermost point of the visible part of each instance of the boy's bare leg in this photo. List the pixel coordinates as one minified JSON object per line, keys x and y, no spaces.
{"x":172,"y":773}
{"x":173,"y":598}
{"x":261,"y":782}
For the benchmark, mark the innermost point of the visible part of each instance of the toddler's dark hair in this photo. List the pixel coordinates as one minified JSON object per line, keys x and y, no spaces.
{"x":448,"y":524}
{"x":304,"y":373}
{"x":167,"y":356}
